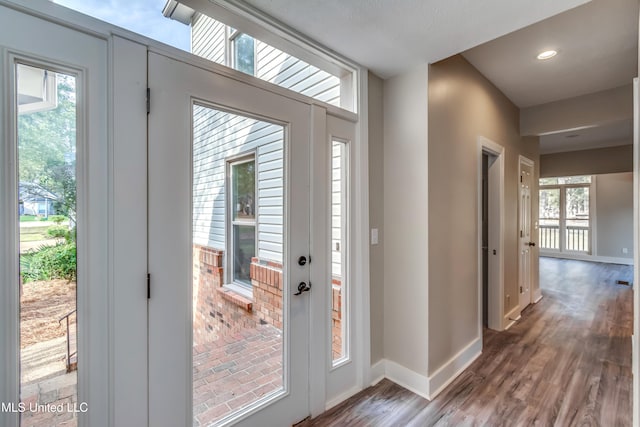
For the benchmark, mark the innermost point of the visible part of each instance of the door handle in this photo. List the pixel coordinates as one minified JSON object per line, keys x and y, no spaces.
{"x":531,"y":243}
{"x":303,"y":287}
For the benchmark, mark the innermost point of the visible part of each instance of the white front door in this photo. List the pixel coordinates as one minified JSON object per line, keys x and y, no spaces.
{"x":525,"y":237}
{"x":228,"y":248}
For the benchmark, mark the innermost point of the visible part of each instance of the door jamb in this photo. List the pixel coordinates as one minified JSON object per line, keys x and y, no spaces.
{"x":496,"y":290}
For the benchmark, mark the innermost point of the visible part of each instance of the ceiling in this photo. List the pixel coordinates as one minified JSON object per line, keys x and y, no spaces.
{"x":389,"y":37}
{"x":597,"y":41}
{"x":610,"y":135}
{"x":597,"y":46}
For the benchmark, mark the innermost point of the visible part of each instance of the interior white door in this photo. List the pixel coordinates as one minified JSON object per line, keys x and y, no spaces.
{"x":525,"y":241}
{"x":228,"y":223}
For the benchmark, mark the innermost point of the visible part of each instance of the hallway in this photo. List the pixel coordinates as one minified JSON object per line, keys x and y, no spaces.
{"x":566,"y":362}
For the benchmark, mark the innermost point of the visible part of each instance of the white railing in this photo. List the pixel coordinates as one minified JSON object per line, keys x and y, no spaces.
{"x":576,"y":238}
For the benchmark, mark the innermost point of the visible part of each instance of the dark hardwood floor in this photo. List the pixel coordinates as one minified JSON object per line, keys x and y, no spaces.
{"x":566,"y":362}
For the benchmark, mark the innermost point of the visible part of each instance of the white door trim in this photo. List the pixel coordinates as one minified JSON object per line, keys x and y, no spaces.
{"x":496,"y":290}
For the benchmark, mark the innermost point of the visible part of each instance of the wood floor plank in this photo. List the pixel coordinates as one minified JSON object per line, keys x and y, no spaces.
{"x":567,"y":362}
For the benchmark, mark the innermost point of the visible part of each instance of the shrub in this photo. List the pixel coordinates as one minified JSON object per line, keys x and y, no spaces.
{"x":49,"y":262}
{"x":57,"y":218}
{"x":58,"y":231}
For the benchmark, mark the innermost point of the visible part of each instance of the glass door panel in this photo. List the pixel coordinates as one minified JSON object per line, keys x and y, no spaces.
{"x":228,"y":219}
{"x":238,"y":210}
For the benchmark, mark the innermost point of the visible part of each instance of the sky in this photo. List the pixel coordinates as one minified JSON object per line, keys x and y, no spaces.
{"x":140,"y":16}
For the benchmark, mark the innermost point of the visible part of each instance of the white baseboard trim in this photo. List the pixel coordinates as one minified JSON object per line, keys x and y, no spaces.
{"x":405,"y":377}
{"x":592,"y":258}
{"x":377,"y":372}
{"x":454,"y":367}
{"x":341,"y":398}
{"x":537,"y":297}
{"x":511,"y":318}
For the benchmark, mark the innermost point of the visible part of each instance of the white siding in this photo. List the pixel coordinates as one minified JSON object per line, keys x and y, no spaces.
{"x":208,"y":38}
{"x":272,"y":65}
{"x":338,"y":185}
{"x":218,"y":136}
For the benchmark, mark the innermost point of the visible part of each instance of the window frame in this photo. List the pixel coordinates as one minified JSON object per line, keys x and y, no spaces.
{"x":245,"y":289}
{"x":562,"y":220}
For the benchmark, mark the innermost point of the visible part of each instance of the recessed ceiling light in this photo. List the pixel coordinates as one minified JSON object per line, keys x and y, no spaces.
{"x":547,"y":54}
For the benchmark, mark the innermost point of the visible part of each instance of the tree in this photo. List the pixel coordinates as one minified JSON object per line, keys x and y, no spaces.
{"x":47,"y":146}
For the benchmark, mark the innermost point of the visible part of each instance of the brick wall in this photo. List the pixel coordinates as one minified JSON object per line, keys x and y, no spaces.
{"x":219,"y":312}
{"x":336,"y":318}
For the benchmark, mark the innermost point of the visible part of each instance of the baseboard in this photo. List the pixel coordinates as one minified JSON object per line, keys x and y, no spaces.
{"x":341,"y":398}
{"x":405,"y":377}
{"x":592,"y":258}
{"x":377,"y":372}
{"x":454,"y":367}
{"x":537,"y":296}
{"x":511,"y":318}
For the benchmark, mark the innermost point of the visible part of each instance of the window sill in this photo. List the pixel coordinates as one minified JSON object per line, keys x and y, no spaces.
{"x":237,"y":296}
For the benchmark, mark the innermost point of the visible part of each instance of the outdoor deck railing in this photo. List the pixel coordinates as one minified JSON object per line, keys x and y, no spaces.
{"x":69,"y":353}
{"x":576,"y":238}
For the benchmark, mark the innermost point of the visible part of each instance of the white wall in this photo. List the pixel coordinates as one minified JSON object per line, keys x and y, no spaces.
{"x":406,"y":213}
{"x":376,"y":216}
{"x":614,"y":215}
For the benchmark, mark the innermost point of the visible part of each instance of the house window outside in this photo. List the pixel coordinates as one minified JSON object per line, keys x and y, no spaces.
{"x":243,"y":48}
{"x":565,"y":219}
{"x":242,"y":242}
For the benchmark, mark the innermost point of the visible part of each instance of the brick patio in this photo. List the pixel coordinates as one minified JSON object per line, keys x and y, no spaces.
{"x":235,"y":371}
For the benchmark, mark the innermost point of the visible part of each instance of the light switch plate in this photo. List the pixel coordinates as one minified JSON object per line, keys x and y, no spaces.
{"x":374,"y":236}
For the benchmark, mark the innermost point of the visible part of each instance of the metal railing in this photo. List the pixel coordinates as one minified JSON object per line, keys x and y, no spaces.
{"x":70,"y":367}
{"x":576,"y":238}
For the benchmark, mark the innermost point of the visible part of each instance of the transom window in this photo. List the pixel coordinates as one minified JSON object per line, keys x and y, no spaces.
{"x":242,"y":209}
{"x":565,"y":218}
{"x":243,"y":48}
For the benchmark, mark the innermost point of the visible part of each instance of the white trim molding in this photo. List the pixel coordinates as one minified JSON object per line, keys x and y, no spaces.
{"x":511,"y":317}
{"x":448,"y":372}
{"x":431,"y":386}
{"x":587,"y":257}
{"x":496,"y":293}
{"x":405,"y":377}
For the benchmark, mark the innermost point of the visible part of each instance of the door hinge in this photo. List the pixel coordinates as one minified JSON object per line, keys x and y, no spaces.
{"x":148,"y":286}
{"x":520,"y":289}
{"x":521,"y":235}
{"x":148,"y":100}
{"x":520,"y":175}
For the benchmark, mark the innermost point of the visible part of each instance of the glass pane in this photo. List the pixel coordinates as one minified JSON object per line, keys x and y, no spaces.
{"x":339,"y":251}
{"x":577,"y":219}
{"x":549,"y":224}
{"x":178,"y":25}
{"x":244,"y":190}
{"x":548,"y":181}
{"x":575,"y":180}
{"x":238,"y":334}
{"x":47,"y":212}
{"x":244,"y":54}
{"x":244,"y":249}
